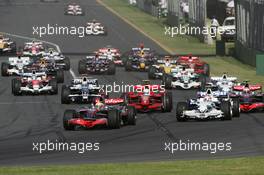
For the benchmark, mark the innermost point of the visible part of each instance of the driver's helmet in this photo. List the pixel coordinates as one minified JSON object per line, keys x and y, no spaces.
{"x":34,"y":76}
{"x":98,"y":103}
{"x":167,"y":61}
{"x":42,"y":63}
{"x":246,"y":90}
{"x":94,"y":21}
{"x":84,"y":81}
{"x":190,"y":57}
{"x":146,"y":90}
{"x":142,"y":53}
{"x":44,"y":77}
{"x":141,"y":46}
{"x":224,"y":77}
{"x":208,"y":96}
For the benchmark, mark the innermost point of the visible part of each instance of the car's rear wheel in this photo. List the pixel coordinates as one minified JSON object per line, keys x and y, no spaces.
{"x":131,"y":115}
{"x":65,"y":92}
{"x":111,"y":69}
{"x":113,"y":119}
{"x":67,"y":63}
{"x":68,"y":115}
{"x":82,"y":67}
{"x":4,"y":69}
{"x":202,"y":80}
{"x":16,"y":86}
{"x":60,"y":76}
{"x":167,"y":81}
{"x":181,"y":107}
{"x":128,"y":65}
{"x":151,"y":72}
{"x":226,"y":109}
{"x":206,"y":69}
{"x":53,"y":83}
{"x":167,"y":102}
{"x":236,"y":107}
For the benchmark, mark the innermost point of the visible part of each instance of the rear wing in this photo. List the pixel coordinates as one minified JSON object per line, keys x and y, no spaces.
{"x":114,"y":101}
{"x":15,"y":60}
{"x":250,"y":87}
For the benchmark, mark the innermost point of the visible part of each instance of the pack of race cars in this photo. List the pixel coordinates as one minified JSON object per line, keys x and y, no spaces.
{"x":39,"y":69}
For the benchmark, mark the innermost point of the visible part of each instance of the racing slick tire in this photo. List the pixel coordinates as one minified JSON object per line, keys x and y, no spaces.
{"x":16,"y":86}
{"x":151,"y":73}
{"x":128,"y":65}
{"x":68,"y":115}
{"x":181,"y":107}
{"x":82,"y":67}
{"x":113,"y":119}
{"x":111,"y":69}
{"x":60,"y":76}
{"x":167,"y":81}
{"x":67,"y":63}
{"x":53,"y":83}
{"x":226,"y":109}
{"x":4,"y":69}
{"x":167,"y":102}
{"x":236,"y":107}
{"x":131,"y":116}
{"x":206,"y":69}
{"x":13,"y":47}
{"x":65,"y":92}
{"x":202,"y":80}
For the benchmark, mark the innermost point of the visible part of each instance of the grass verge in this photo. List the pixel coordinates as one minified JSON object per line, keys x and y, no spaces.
{"x":154,"y":28}
{"x":238,"y":166}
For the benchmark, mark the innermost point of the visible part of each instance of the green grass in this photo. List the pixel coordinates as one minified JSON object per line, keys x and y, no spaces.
{"x":239,"y":166}
{"x":154,"y":28}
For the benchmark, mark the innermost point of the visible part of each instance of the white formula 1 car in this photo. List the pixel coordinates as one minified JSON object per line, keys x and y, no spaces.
{"x":95,"y":28}
{"x":112,"y":54}
{"x":15,"y":66}
{"x":82,"y":90}
{"x":181,"y":77}
{"x":74,"y":9}
{"x":207,"y":107}
{"x":34,"y":83}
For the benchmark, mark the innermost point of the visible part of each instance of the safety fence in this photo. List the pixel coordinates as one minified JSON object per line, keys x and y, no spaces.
{"x":250,"y":30}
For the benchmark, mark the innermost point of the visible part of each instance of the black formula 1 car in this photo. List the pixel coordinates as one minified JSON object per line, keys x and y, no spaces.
{"x":139,"y":59}
{"x":96,"y":64}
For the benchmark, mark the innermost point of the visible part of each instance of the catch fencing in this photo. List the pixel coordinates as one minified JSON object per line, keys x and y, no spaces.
{"x":250,"y":30}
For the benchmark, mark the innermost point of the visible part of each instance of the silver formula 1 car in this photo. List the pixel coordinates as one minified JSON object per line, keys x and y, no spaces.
{"x":96,"y":64}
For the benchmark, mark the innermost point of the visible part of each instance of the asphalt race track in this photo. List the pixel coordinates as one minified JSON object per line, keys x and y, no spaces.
{"x":28,"y":119}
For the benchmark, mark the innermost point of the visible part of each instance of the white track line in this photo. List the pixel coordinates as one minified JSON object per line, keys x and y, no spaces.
{"x":50,"y":43}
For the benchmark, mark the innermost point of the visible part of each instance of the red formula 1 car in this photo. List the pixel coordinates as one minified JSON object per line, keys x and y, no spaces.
{"x":111,"y":53}
{"x":112,"y":113}
{"x":199,"y":66}
{"x":250,"y":96}
{"x":146,"y":98}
